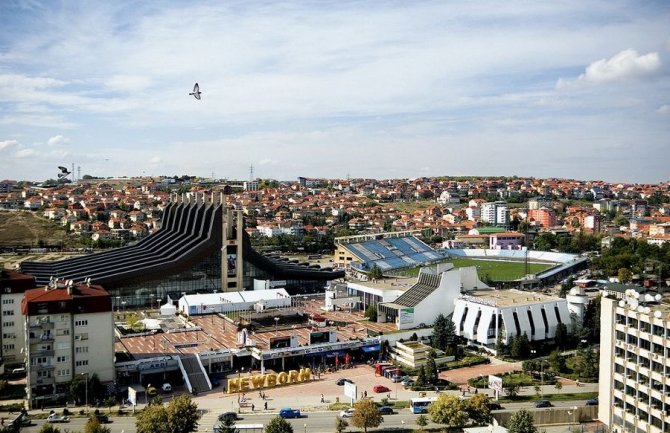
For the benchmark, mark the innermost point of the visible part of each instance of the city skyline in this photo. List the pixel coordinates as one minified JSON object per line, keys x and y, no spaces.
{"x":381,"y":90}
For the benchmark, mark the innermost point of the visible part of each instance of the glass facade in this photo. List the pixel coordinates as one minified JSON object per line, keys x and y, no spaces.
{"x":203,"y":277}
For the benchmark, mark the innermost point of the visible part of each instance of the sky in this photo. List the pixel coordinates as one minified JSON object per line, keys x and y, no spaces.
{"x":374,"y":89}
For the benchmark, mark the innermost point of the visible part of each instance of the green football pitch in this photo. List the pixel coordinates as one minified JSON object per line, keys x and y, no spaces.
{"x":496,"y":270}
{"x":500,"y":270}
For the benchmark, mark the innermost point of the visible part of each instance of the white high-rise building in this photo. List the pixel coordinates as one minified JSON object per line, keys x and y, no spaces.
{"x":634,"y":383}
{"x":496,"y":213}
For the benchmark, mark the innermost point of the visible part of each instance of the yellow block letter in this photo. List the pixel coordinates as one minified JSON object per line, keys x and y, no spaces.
{"x":233,"y":386}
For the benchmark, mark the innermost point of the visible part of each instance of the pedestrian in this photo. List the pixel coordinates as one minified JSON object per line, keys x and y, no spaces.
{"x":265,"y":405}
{"x":322,"y":400}
{"x":366,"y":394}
{"x":252,"y":407}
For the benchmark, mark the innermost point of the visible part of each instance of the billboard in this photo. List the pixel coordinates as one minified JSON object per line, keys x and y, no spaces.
{"x":280,"y":342}
{"x":496,"y":384}
{"x":350,"y":390}
{"x":407,"y":315}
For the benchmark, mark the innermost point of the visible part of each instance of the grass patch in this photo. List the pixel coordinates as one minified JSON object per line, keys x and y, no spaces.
{"x":496,"y":270}
{"x":467,"y":361}
{"x":551,"y":397}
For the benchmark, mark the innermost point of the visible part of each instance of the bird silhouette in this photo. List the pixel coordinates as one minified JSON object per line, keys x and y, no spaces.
{"x":196,"y":91}
{"x":63,"y":172}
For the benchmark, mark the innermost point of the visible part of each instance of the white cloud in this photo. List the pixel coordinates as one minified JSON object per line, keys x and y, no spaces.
{"x":664,"y":109}
{"x":6,"y":144}
{"x":155,"y":160}
{"x":57,"y":140}
{"x":624,"y":65}
{"x":24,"y":153}
{"x":128,"y":83}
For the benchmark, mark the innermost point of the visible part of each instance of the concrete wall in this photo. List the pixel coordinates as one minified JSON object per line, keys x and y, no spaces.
{"x":554,"y":416}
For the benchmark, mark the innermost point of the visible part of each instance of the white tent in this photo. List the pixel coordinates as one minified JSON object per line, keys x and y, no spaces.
{"x":168,"y":310}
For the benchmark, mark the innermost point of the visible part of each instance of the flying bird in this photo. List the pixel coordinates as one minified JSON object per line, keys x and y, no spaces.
{"x":196,"y":91}
{"x":63,"y":172}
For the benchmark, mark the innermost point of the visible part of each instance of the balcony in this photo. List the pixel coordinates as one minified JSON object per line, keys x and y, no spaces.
{"x":41,"y":339}
{"x":41,"y":353}
{"x":42,"y":367}
{"x":46,"y":325}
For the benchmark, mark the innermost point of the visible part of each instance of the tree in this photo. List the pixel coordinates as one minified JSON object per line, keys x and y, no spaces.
{"x":625,"y":275}
{"x":278,"y":425}
{"x":430,"y":369}
{"x":227,"y":425}
{"x":152,"y":419}
{"x":511,"y":390}
{"x":559,"y":385}
{"x":366,"y":415}
{"x":561,"y":336}
{"x":78,"y":389}
{"x":444,"y":335}
{"x":371,"y":313}
{"x":341,"y":424}
{"x":556,"y":362}
{"x":180,"y":416}
{"x":94,"y":426}
{"x":421,"y":421}
{"x":521,"y":422}
{"x":421,"y":378}
{"x":375,"y":272}
{"x":478,"y":409}
{"x":520,"y":347}
{"x":183,"y":415}
{"x":448,"y":409}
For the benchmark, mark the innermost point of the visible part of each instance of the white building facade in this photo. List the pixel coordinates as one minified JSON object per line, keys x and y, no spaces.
{"x":634,"y":382}
{"x":480,"y":316}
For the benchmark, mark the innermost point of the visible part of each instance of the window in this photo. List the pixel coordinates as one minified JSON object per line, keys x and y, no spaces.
{"x":44,"y":373}
{"x":8,"y":335}
{"x":82,"y":349}
{"x":7,"y":301}
{"x":64,"y":358}
{"x":81,"y":323}
{"x":81,"y":363}
{"x":62,"y":332}
{"x":8,"y":346}
{"x":7,"y":312}
{"x":64,"y":372}
{"x":7,"y":324}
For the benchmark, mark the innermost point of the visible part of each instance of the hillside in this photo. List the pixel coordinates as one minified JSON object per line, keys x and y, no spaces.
{"x":30,"y":230}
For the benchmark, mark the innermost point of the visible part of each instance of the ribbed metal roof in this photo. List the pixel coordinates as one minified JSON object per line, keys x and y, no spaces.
{"x":426,"y":284}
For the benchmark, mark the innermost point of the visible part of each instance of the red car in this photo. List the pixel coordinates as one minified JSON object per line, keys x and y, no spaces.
{"x":380,"y":388}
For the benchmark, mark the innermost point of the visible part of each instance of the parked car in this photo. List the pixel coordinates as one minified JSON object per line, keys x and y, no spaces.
{"x":228,"y":416}
{"x":408,"y":381}
{"x":396,"y":379}
{"x":166,"y":387}
{"x":592,"y":402}
{"x":380,"y":388}
{"x":494,"y":405}
{"x":386,"y":410}
{"x":102,"y":418}
{"x":287,"y":412}
{"x":543,"y":403}
{"x":54,"y":418}
{"x":347,"y":413}
{"x":343,"y":380}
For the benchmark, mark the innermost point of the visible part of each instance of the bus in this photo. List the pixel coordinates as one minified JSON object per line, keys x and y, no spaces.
{"x":420,"y":405}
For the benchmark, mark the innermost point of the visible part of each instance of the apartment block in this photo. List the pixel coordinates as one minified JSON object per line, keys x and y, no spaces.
{"x":68,"y":332}
{"x":634,"y":383}
{"x":12,"y":287}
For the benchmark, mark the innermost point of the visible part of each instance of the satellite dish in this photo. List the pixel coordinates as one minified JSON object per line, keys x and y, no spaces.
{"x":196,"y":91}
{"x":657,"y":314}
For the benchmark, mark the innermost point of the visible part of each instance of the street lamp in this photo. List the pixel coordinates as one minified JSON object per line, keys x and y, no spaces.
{"x":118,"y":304}
{"x":276,"y":323}
{"x":86,"y":390}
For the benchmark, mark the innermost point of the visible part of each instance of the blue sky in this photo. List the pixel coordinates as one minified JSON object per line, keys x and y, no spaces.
{"x":383,"y":89}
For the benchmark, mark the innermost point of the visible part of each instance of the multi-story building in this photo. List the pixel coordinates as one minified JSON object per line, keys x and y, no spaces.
{"x":634,"y":383}
{"x":543,"y":217}
{"x":68,"y":332}
{"x":12,"y":287}
{"x":496,"y":213}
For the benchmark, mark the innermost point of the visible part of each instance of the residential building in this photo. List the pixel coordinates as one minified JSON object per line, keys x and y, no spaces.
{"x":543,"y":217}
{"x":12,"y":287}
{"x":634,"y":385}
{"x":496,"y":213}
{"x":68,"y":332}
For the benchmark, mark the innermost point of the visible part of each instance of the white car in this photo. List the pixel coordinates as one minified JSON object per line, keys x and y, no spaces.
{"x":166,"y":387}
{"x":53,"y":418}
{"x":347,"y":413}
